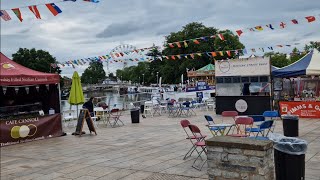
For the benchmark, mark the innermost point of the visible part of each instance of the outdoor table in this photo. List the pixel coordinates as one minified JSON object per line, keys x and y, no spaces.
{"x":223,"y":128}
{"x":104,"y":113}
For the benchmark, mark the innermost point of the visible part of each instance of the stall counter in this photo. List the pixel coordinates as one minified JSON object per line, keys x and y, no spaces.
{"x":304,"y":109}
{"x":24,"y":129}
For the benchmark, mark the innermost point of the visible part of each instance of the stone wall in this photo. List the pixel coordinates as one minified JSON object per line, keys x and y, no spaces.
{"x":240,"y":158}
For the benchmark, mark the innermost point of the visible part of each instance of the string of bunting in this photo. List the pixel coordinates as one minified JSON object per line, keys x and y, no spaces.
{"x":109,"y":59}
{"x":239,"y":32}
{"x":227,"y":53}
{"x":52,"y":7}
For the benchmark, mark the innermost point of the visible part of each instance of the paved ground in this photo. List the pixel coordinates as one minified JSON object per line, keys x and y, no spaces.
{"x":152,"y":149}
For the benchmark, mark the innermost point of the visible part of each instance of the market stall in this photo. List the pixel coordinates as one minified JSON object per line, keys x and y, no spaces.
{"x":243,"y":85}
{"x":29,"y":104}
{"x":297,"y":87}
{"x":201,"y":79}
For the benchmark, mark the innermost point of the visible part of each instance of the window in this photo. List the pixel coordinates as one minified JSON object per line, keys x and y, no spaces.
{"x":228,"y":80}
{"x":220,"y":80}
{"x":254,"y":79}
{"x":236,"y":79}
{"x":244,"y":79}
{"x":264,"y":79}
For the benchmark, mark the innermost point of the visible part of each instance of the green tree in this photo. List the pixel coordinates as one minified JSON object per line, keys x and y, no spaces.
{"x":295,"y":55}
{"x":38,"y":60}
{"x":278,"y":59}
{"x":312,"y":45}
{"x":112,"y":77}
{"x":94,"y":73}
{"x":172,"y":69}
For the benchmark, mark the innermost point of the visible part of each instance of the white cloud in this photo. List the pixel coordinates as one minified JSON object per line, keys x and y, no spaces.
{"x":87,"y":29}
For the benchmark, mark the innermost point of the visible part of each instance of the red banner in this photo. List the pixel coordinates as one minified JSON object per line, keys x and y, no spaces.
{"x":302,"y":109}
{"x":15,"y":131}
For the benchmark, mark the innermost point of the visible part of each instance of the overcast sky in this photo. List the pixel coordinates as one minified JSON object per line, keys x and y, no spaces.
{"x":85,"y":29}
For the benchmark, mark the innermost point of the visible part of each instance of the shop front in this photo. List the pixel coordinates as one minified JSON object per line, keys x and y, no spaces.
{"x":243,"y":85}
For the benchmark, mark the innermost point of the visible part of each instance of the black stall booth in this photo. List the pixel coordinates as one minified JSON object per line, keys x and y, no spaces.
{"x":243,"y":85}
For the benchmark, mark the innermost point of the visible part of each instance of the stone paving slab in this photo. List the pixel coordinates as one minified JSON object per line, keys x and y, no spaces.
{"x":152,"y":149}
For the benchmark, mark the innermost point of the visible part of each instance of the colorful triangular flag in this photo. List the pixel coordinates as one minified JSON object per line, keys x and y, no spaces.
{"x":239,"y":32}
{"x":55,"y":10}
{"x":17,"y":12}
{"x":310,"y":19}
{"x":35,"y":11}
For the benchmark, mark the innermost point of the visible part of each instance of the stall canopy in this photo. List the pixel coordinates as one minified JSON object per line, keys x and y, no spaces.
{"x":14,"y":74}
{"x":209,"y":67}
{"x":309,"y":65}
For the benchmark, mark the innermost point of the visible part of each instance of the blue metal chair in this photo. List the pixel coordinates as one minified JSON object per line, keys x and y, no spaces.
{"x":263,"y":129}
{"x":214,"y":130}
{"x":271,"y":115}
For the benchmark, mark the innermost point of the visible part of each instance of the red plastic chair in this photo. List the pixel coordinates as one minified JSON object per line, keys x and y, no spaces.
{"x":243,"y":126}
{"x":115,"y":114}
{"x":232,"y":114}
{"x":200,"y":143}
{"x":193,"y":139}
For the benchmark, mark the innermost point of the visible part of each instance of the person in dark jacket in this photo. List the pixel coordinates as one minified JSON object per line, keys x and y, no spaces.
{"x":89,"y":105}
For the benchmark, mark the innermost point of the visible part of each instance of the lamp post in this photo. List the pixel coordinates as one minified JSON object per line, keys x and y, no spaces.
{"x":143,"y":79}
{"x":157,"y":78}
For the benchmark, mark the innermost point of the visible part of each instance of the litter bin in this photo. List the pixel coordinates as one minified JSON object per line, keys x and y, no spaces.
{"x":290,"y":125}
{"x":135,"y":115}
{"x":289,"y":157}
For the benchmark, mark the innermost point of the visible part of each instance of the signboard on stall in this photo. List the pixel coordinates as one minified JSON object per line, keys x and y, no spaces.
{"x":243,"y":67}
{"x":302,"y":109}
{"x":15,"y":131}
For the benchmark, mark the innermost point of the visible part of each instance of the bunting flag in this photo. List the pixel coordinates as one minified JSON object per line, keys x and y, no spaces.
{"x":171,"y":45}
{"x":192,"y":56}
{"x":239,"y":32}
{"x":178,"y":44}
{"x":282,"y":25}
{"x":196,"y":41}
{"x":214,"y":54}
{"x":270,"y":26}
{"x":221,"y":53}
{"x":93,"y":1}
{"x":35,"y":11}
{"x":310,"y":19}
{"x":259,"y":28}
{"x":294,"y":21}
{"x":173,"y":57}
{"x":55,"y":10}
{"x":229,"y":53}
{"x":17,"y":12}
{"x":4,"y":15}
{"x":185,"y":44}
{"x":221,"y":37}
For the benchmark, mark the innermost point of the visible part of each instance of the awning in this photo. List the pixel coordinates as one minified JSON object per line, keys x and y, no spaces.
{"x":14,"y":74}
{"x":309,"y":65}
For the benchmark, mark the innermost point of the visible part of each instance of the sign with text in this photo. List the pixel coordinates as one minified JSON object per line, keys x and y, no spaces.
{"x":301,"y":109}
{"x":21,"y":130}
{"x":243,"y":67}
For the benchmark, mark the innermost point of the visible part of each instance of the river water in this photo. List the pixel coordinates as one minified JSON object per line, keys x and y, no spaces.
{"x":114,"y":100}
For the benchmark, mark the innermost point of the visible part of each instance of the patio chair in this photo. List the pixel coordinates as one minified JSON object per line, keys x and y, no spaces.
{"x":263,"y":129}
{"x":200,"y":143}
{"x":214,"y":130}
{"x":68,"y":117}
{"x":185,"y":124}
{"x":271,"y":115}
{"x":242,"y":127}
{"x":115,"y":115}
{"x":148,"y":108}
{"x":232,"y":114}
{"x":172,"y":111}
{"x":163,"y":106}
{"x":210,"y":104}
{"x":185,"y":109}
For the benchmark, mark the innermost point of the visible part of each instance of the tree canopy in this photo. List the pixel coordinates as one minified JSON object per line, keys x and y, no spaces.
{"x":171,"y":70}
{"x":94,"y":73}
{"x":38,"y":60}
